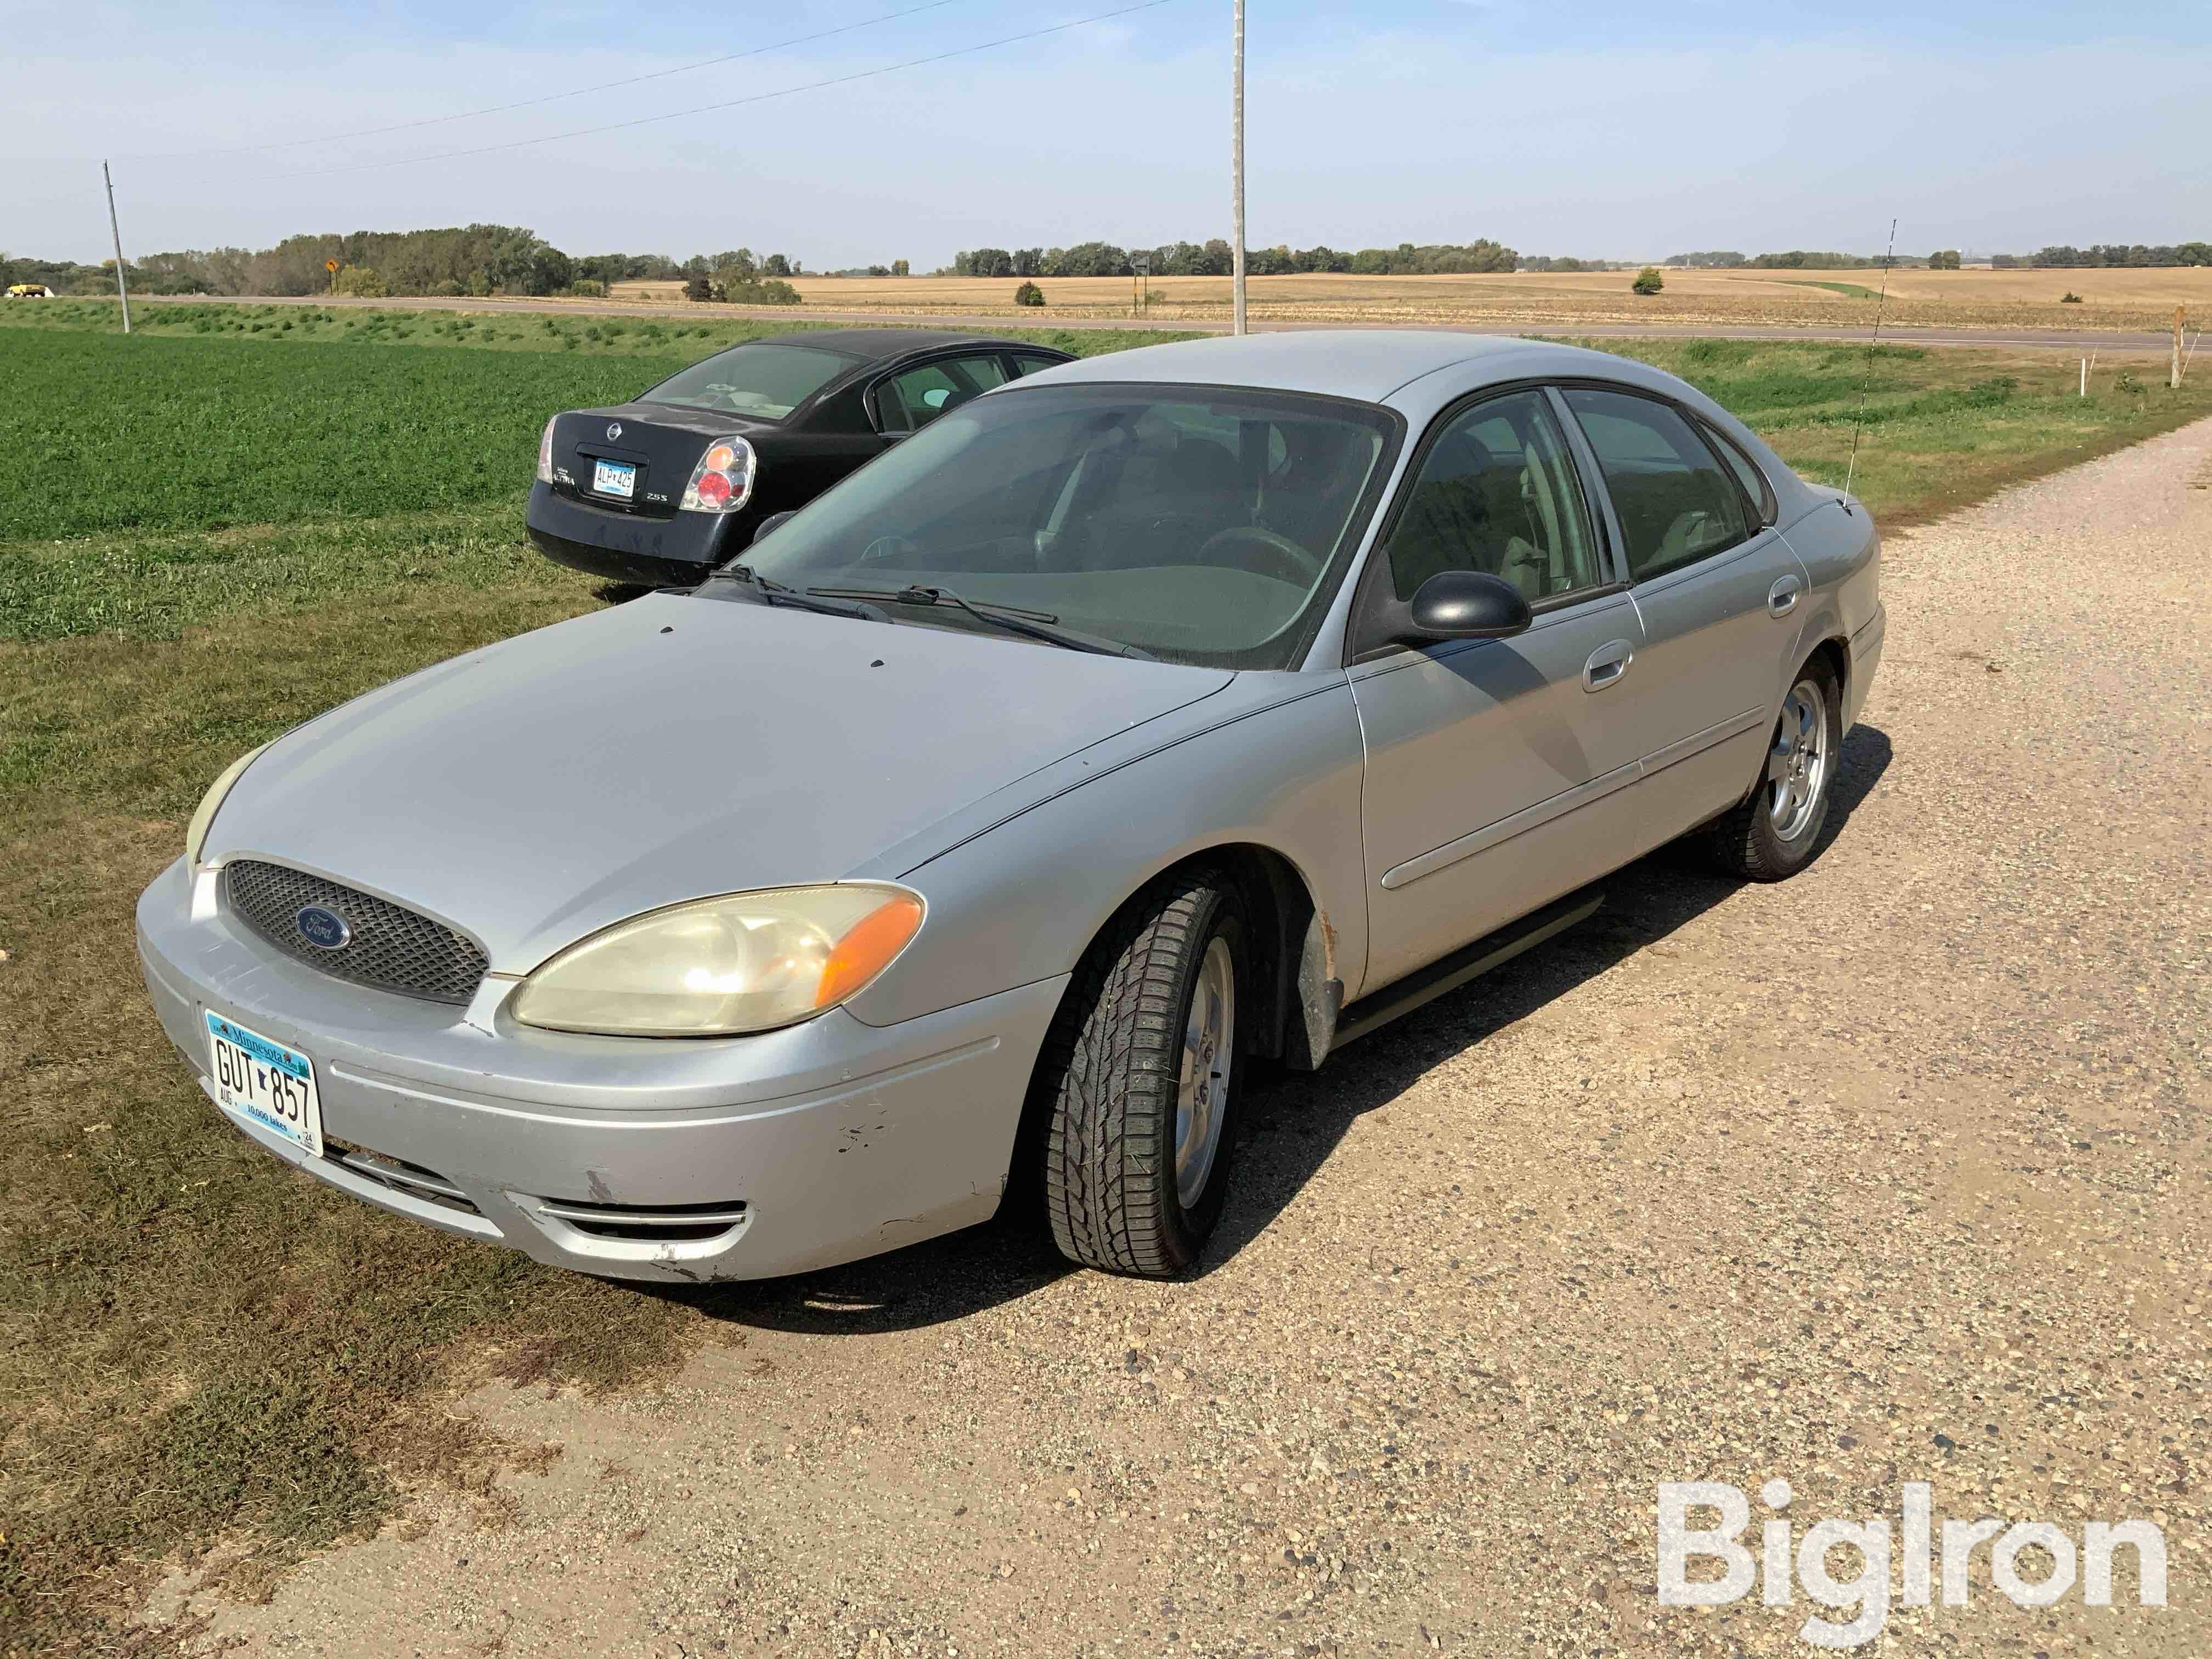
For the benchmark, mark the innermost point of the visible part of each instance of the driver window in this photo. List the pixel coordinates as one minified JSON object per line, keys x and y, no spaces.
{"x":1496,"y":493}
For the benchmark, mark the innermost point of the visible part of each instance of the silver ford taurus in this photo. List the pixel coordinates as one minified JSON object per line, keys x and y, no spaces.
{"x":1158,"y":715}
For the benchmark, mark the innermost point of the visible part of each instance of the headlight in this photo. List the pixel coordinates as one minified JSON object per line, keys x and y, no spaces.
{"x":746,"y":962}
{"x":196,"y":832}
{"x":723,"y":480}
{"x":545,"y":454}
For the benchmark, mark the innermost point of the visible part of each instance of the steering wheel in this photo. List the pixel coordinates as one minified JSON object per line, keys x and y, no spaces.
{"x":888,"y":549}
{"x":1305,"y":569}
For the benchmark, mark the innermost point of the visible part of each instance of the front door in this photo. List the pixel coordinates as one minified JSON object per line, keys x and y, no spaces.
{"x":1715,"y":588}
{"x":1496,"y":770}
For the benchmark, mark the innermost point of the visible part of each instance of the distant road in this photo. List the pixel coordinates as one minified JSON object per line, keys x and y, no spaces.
{"x":2056,"y":339}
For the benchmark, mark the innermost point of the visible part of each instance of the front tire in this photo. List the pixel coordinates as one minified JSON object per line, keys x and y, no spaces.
{"x":1770,"y":834}
{"x":1142,"y":1073}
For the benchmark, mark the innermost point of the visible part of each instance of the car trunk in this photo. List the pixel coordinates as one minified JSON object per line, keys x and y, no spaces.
{"x":661,"y":442}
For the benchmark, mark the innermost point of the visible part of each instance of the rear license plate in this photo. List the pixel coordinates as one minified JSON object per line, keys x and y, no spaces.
{"x":614,"y":479}
{"x":266,"y":1084}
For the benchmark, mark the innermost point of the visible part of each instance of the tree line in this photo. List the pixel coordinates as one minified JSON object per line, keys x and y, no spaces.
{"x":1214,"y":257}
{"x":485,"y":260}
{"x":2125,"y":255}
{"x":469,"y":259}
{"x":2135,"y":256}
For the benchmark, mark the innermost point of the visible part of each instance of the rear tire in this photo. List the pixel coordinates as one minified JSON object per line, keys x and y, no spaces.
{"x":1770,"y":834}
{"x":1141,"y":1076}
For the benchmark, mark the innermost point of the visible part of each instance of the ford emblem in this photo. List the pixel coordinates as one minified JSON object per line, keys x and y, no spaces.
{"x":323,"y":927}
{"x":614,"y":430}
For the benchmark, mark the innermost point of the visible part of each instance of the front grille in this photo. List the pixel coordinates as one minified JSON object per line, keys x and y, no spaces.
{"x":388,"y":947}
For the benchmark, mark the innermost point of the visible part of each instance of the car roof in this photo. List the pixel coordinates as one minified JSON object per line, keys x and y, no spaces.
{"x":1369,"y":364}
{"x":872,"y":344}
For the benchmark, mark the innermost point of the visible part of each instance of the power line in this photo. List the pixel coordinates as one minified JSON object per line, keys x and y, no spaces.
{"x":709,"y":109}
{"x":550,"y":97}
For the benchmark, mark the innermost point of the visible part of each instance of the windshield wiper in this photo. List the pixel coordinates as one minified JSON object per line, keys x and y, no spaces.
{"x":1038,"y":624}
{"x":766,"y":590}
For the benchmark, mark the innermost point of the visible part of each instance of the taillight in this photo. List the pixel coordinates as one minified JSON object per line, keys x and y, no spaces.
{"x":545,"y":454}
{"x":723,"y":480}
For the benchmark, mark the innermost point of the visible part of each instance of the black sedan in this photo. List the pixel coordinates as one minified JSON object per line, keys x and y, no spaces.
{"x":662,"y":488}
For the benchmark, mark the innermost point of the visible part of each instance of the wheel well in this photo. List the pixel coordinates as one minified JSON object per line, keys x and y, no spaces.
{"x":1292,"y":971}
{"x":1293,"y":947}
{"x":1837,"y":656}
{"x":1291,"y":941}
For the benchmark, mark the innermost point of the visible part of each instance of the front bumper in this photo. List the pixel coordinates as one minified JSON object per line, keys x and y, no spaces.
{"x":639,"y":1159}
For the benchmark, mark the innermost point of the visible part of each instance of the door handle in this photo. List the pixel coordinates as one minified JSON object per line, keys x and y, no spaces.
{"x":1607,"y":665}
{"x":1782,"y":598}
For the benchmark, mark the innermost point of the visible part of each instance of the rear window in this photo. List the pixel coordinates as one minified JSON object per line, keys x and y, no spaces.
{"x":766,"y":380}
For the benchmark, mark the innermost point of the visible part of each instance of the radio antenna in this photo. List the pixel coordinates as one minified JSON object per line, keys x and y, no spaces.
{"x":1881,"y":302}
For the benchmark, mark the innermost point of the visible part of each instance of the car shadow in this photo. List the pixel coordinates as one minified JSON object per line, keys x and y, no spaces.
{"x":1291,"y":1122}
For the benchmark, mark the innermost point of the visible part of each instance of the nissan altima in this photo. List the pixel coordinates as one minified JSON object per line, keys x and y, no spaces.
{"x":1136,"y":724}
{"x":664,"y":487}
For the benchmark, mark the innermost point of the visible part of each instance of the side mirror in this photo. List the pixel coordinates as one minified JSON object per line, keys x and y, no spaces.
{"x":1465,"y":605}
{"x":770,"y":523}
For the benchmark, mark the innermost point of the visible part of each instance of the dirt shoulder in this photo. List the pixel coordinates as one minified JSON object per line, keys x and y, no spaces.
{"x":1893,"y":1173}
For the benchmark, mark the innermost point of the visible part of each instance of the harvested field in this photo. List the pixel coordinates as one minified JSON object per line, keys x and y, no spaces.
{"x":2110,"y":298}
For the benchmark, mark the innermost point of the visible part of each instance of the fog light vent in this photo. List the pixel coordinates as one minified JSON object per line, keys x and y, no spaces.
{"x":647,"y":1224}
{"x":399,"y":1175}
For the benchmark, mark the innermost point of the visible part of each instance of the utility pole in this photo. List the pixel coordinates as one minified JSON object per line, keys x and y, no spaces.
{"x":1236,"y":175}
{"x":122,"y":291}
{"x":2173,"y":375}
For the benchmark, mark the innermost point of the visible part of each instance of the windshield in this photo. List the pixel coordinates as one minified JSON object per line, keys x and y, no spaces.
{"x":1202,"y":524}
{"x":766,"y":380}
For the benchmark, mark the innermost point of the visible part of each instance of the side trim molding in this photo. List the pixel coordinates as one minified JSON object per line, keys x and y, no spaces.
{"x":1698,"y":742}
{"x":1531,"y":817}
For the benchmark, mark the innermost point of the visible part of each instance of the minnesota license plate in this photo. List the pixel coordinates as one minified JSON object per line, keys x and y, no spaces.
{"x":265,"y":1083}
{"x":614,"y":479}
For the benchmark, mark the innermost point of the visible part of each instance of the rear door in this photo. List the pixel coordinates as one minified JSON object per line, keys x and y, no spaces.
{"x":1498,"y":770}
{"x":1715,"y":585}
{"x":910,"y":398}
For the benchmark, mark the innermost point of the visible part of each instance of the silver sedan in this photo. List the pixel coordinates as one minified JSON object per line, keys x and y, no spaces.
{"x":984,"y":825}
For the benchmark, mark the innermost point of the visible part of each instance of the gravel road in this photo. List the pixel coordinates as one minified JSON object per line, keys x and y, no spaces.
{"x":1893,"y":1173}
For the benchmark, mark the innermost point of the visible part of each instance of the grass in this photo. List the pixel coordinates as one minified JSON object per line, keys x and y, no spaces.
{"x":163,"y":433}
{"x":1849,"y":290}
{"x":196,"y":1348}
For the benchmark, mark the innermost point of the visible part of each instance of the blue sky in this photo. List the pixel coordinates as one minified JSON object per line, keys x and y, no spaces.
{"x":1606,"y":129}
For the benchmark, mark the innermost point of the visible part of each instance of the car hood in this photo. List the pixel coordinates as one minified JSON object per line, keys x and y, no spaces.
{"x":536,"y":791}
